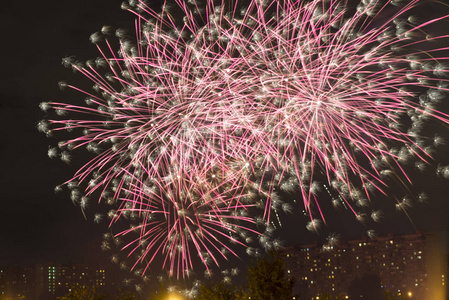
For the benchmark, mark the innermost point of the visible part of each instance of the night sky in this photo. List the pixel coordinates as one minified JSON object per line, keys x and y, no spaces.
{"x":37,"y":225}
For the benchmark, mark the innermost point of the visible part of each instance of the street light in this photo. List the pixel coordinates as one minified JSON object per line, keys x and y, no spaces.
{"x":174,"y":297}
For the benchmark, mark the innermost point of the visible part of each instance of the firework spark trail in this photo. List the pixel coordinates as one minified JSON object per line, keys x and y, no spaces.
{"x":201,"y":121}
{"x":168,"y":129}
{"x":191,"y":220}
{"x":333,"y":96}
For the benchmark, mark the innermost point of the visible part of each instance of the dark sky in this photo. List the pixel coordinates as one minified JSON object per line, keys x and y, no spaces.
{"x":36,"y":224}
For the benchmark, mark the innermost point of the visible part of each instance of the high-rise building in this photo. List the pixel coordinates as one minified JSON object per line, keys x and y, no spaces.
{"x":17,"y":282}
{"x":54,"y":280}
{"x":48,"y":281}
{"x":413,"y":266}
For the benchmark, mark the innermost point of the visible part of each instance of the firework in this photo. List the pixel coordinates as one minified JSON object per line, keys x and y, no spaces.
{"x":343,"y":95}
{"x":198,"y":123}
{"x":169,"y":145}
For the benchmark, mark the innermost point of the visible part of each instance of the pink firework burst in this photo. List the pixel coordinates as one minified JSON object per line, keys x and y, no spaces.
{"x":175,"y":222}
{"x":169,"y":140}
{"x":343,"y":92}
{"x":216,"y":107}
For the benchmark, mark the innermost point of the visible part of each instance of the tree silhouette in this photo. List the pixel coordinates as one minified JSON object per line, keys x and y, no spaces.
{"x":83,"y":293}
{"x":218,"y":291}
{"x":268,"y":280}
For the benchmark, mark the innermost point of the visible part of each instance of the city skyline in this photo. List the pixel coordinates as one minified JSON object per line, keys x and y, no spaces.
{"x":412,"y":265}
